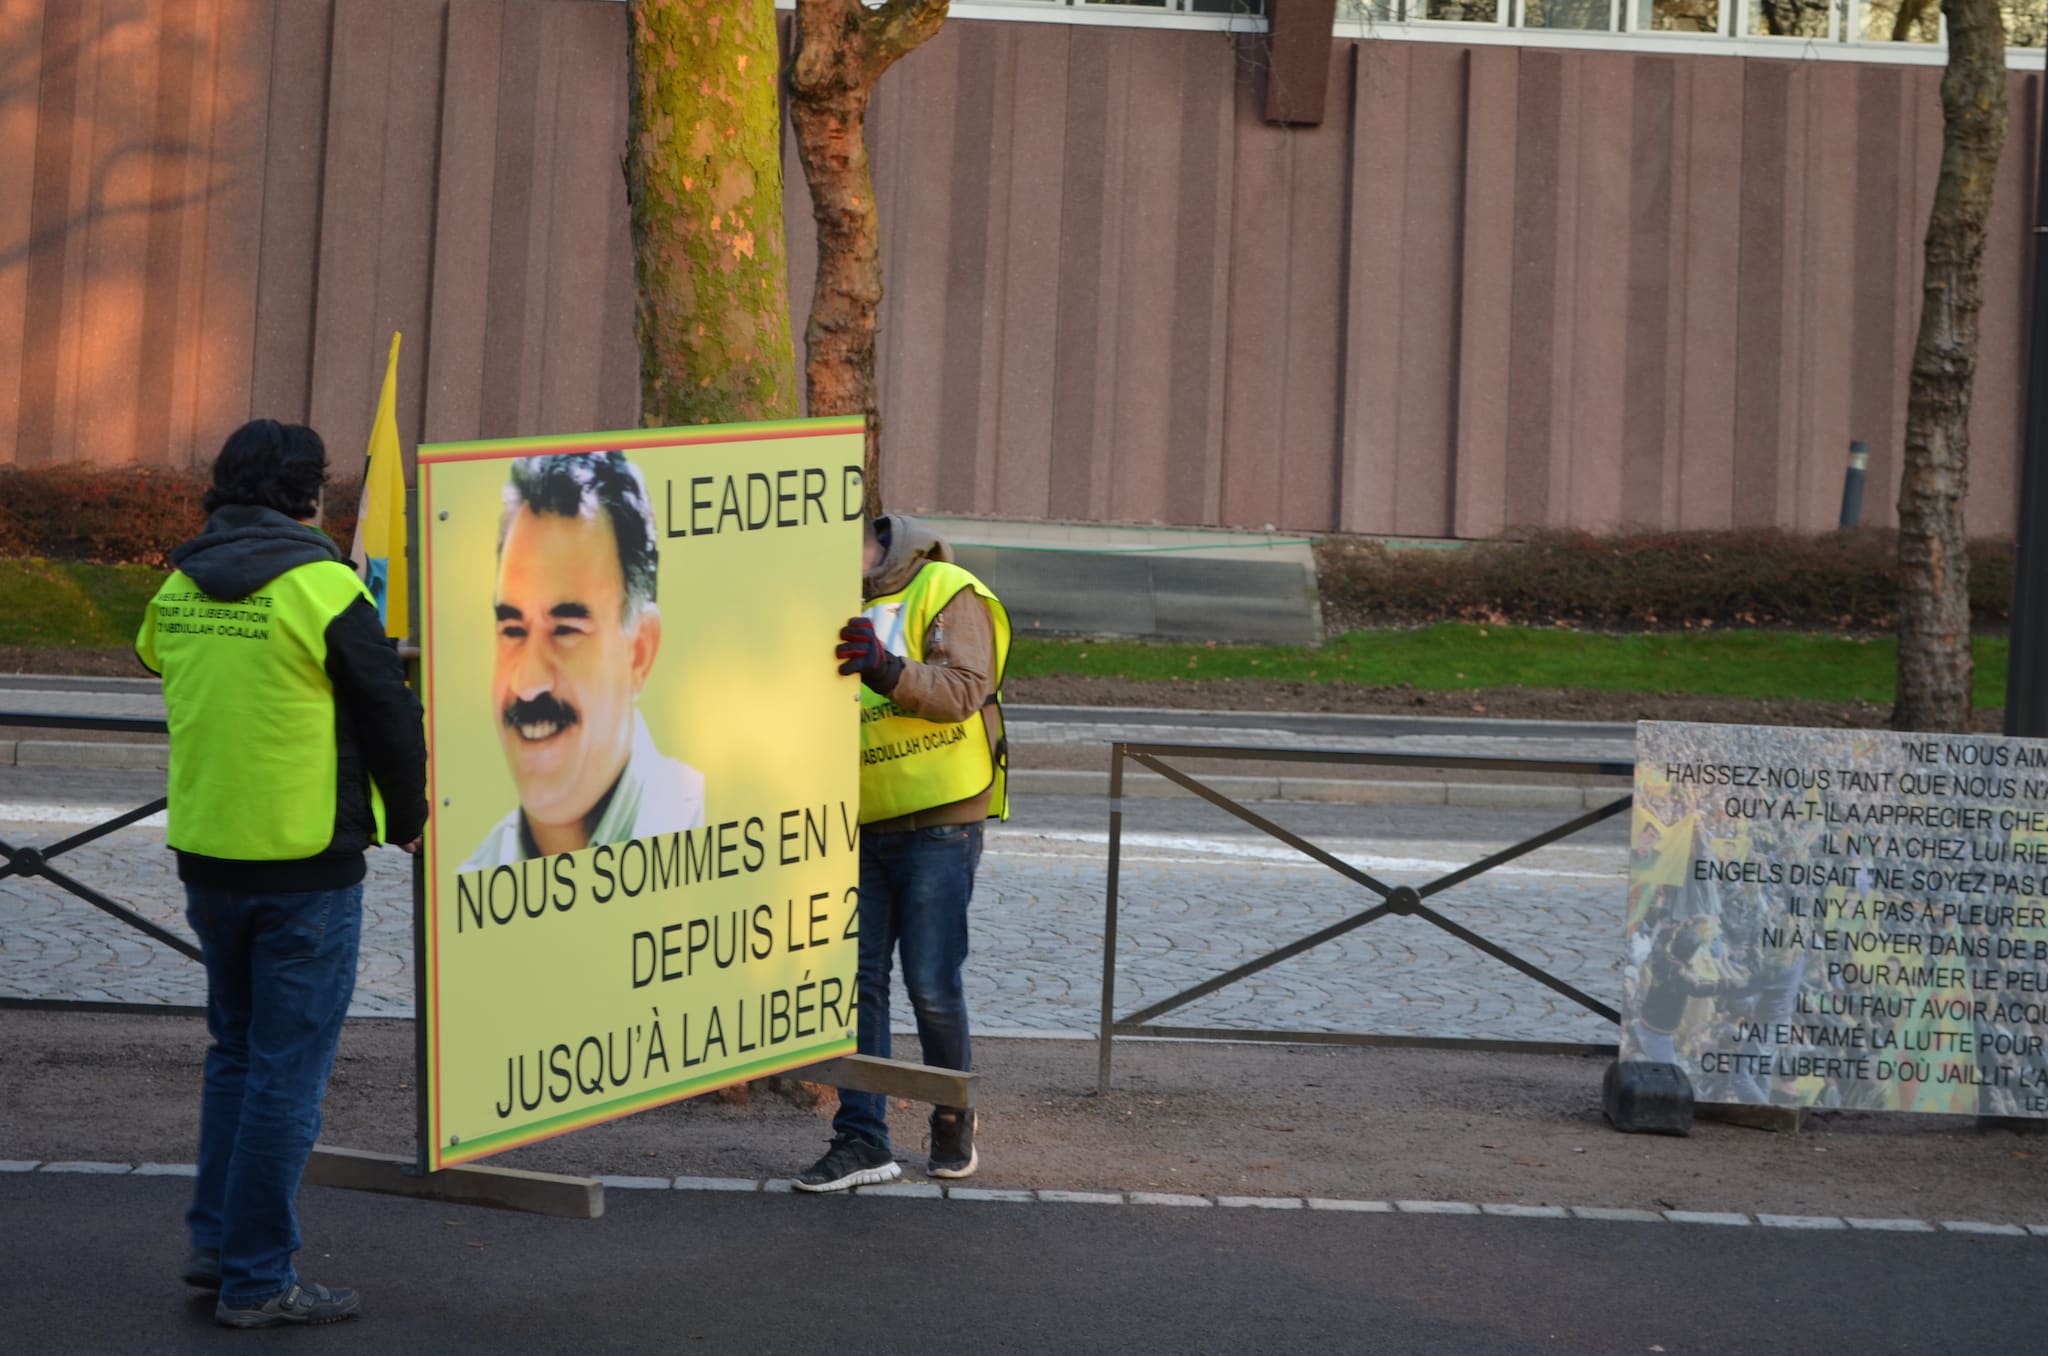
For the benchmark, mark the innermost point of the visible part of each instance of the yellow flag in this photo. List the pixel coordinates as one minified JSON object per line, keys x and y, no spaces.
{"x":1672,"y":856}
{"x":379,"y":551}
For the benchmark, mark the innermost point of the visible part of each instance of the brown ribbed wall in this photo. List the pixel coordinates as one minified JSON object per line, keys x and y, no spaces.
{"x":1495,"y":287}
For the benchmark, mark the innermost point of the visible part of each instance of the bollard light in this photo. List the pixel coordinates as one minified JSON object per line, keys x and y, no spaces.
{"x":1852,"y":484}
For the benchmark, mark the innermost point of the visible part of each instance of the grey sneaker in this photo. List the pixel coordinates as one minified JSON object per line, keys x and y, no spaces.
{"x":850,"y":1162}
{"x":303,"y":1303}
{"x":202,"y":1269}
{"x":953,"y":1152}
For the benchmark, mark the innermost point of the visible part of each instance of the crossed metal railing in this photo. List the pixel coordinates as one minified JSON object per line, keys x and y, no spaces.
{"x":406,"y":1174}
{"x":1405,"y":900}
{"x":35,"y":861}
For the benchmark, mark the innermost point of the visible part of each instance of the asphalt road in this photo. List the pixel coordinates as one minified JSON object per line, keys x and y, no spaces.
{"x":90,"y":1267}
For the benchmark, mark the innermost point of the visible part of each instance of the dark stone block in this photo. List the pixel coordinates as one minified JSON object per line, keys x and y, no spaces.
{"x":1154,"y":595}
{"x":1648,"y":1099}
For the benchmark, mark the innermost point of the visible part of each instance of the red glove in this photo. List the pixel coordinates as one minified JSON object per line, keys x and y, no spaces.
{"x":861,"y":651}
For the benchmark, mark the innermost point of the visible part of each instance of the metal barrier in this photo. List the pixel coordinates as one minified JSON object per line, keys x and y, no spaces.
{"x":35,"y":861}
{"x":406,"y":1174}
{"x":1405,"y":900}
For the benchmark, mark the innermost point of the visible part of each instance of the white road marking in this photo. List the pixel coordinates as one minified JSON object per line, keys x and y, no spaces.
{"x":932,"y":1191}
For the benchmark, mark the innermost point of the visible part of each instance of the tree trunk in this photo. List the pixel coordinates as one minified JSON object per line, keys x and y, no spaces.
{"x":839,"y":338}
{"x":1934,"y":566}
{"x":842,"y":49}
{"x":704,"y":182}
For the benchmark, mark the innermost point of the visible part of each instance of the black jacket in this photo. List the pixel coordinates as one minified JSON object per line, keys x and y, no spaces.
{"x":378,"y":730}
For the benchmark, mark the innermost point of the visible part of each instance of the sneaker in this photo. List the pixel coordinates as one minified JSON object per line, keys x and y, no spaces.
{"x":202,"y":1269}
{"x":850,"y":1162}
{"x":303,"y":1303}
{"x":953,"y":1152}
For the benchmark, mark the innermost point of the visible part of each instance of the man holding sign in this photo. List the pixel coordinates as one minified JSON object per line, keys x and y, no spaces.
{"x":930,"y":649}
{"x":295,"y":747}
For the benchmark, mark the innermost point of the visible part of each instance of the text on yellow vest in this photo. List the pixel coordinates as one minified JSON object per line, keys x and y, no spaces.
{"x":252,"y":713}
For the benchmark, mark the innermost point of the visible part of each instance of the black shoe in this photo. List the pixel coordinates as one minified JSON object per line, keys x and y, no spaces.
{"x":202,"y":1269}
{"x":953,"y":1152}
{"x":303,"y":1303}
{"x":850,"y":1162}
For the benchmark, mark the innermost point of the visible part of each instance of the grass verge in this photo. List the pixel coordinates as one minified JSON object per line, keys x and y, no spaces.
{"x":68,"y":606}
{"x":1455,"y":656}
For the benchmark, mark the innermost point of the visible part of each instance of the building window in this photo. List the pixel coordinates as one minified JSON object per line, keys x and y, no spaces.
{"x":1455,"y":11}
{"x":1580,"y":16}
{"x":1805,"y":19}
{"x":1679,"y":16}
{"x":1846,"y":23}
{"x":1898,"y":21}
{"x":2026,"y":23}
{"x":1249,"y":7}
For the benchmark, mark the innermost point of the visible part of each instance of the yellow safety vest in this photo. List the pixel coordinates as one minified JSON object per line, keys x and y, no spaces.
{"x":907,"y":763}
{"x":252,"y":712}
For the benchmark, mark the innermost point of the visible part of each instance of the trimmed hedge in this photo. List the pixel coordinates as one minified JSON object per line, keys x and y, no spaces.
{"x":1645,"y":580}
{"x":125,"y":517}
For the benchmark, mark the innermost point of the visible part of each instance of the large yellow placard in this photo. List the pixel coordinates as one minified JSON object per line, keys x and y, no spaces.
{"x":642,"y":861}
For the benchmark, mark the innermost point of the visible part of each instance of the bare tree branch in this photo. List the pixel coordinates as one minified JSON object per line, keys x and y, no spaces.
{"x":902,"y":24}
{"x":842,"y":49}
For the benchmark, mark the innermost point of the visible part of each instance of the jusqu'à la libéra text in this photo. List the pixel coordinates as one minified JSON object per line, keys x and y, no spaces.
{"x":645,"y":1055}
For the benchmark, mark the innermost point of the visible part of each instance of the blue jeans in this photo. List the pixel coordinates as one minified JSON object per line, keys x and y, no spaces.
{"x":279,"y":973}
{"x":914,"y":891}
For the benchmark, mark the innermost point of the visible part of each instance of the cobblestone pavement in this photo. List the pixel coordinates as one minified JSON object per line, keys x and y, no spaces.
{"x":1192,"y":907}
{"x":1041,"y":728}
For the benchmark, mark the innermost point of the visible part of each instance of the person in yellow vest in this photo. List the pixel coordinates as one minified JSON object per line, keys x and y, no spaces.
{"x":930,"y":649}
{"x":295,"y":747}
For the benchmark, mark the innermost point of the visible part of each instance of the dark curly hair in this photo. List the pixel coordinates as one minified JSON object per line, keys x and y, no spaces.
{"x":270,"y":465}
{"x":583,"y":485}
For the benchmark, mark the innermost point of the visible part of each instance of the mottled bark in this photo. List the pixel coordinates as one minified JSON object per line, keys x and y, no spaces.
{"x":842,"y":49}
{"x":704,"y":182}
{"x":1934,"y":564}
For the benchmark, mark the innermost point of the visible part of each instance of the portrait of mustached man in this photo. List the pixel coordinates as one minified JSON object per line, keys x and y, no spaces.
{"x":577,"y":635}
